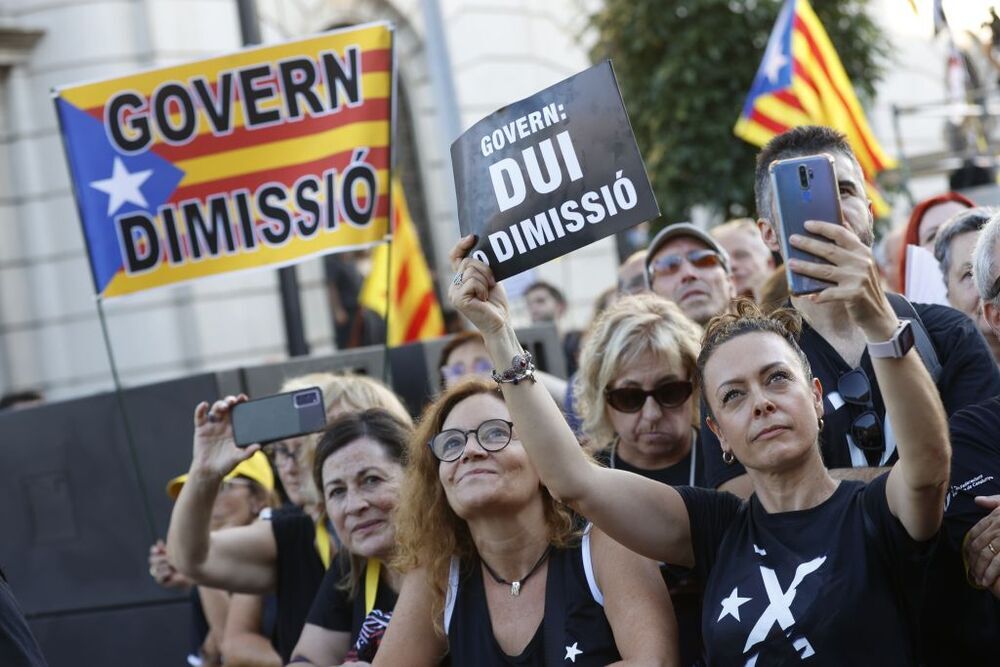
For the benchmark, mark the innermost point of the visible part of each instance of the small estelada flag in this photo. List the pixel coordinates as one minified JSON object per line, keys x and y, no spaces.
{"x":801,"y":81}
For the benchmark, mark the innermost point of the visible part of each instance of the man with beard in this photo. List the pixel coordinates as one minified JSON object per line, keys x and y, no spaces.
{"x":856,"y":438}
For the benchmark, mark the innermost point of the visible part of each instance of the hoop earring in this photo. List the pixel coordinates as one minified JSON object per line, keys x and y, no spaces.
{"x":820,"y":422}
{"x":728,"y":457}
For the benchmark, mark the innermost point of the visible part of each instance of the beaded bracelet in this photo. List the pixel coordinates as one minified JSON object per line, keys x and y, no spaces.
{"x":521,"y":368}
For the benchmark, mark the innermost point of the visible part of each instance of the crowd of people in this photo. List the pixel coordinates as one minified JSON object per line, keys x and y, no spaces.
{"x":731,"y":475}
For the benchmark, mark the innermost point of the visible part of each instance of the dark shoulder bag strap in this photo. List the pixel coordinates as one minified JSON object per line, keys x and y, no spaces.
{"x":905,"y":310}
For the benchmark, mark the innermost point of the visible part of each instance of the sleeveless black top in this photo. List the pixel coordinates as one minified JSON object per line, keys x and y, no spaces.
{"x":574,"y":629}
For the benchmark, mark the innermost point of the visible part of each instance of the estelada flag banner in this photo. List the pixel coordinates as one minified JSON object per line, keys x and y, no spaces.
{"x":259,"y":158}
{"x":801,"y":81}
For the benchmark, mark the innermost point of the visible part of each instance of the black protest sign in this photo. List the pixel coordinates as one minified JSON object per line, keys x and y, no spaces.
{"x":551,"y":173}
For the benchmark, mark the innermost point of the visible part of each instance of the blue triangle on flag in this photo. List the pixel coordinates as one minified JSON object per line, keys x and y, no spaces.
{"x":92,"y":157}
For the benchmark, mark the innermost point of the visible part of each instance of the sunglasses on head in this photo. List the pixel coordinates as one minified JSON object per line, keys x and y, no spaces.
{"x":866,"y":429}
{"x":671,"y":264}
{"x":669,"y":394}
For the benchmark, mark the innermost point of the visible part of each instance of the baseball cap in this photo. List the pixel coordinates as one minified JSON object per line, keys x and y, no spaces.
{"x":681,"y":229}
{"x":256,"y":468}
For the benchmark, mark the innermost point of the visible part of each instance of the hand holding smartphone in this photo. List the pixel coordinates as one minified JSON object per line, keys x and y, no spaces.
{"x":804,"y":188}
{"x":279,"y":417}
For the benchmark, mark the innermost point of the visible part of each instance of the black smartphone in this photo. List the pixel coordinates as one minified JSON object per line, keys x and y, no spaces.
{"x":804,"y":188}
{"x":279,"y":417}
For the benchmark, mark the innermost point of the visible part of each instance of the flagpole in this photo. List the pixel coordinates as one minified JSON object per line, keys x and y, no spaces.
{"x":129,"y":438}
{"x":392,"y":208}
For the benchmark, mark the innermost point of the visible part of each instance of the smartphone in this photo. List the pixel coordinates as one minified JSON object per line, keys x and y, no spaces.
{"x":804,"y":188}
{"x":279,"y":417}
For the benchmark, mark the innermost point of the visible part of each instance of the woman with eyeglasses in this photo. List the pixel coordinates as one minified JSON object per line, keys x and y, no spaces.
{"x":359,"y":468}
{"x":635,"y":392}
{"x":498,"y":572}
{"x":286,"y":555}
{"x":809,"y":568}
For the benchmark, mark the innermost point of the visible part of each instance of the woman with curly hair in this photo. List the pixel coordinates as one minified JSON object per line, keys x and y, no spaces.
{"x":498,"y":572}
{"x":809,"y":566}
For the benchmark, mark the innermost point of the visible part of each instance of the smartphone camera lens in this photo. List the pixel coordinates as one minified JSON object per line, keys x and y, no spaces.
{"x":803,"y":177}
{"x":306,"y":398}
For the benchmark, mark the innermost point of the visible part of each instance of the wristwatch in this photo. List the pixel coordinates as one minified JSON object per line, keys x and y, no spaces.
{"x":897,"y":346}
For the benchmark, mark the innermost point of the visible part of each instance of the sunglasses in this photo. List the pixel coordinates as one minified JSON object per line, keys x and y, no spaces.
{"x":669,"y":394}
{"x":492,"y":435}
{"x":671,"y":264}
{"x":866,"y":429}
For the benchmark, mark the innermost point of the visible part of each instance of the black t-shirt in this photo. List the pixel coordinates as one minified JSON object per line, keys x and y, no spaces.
{"x":300,"y":572}
{"x":831,"y":585}
{"x":676,"y":475}
{"x":334,"y":610}
{"x":968,"y":373}
{"x":18,"y":647}
{"x":685,"y":590}
{"x":574,"y":629}
{"x":960,"y":625}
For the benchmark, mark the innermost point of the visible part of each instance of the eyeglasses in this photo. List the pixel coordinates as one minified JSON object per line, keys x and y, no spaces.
{"x":671,"y":264}
{"x":634,"y":285}
{"x":233,"y":484}
{"x":280,"y":453}
{"x":866,"y":429}
{"x":458,"y":370}
{"x":670,"y":394}
{"x":492,"y":435}
{"x":994,"y":291}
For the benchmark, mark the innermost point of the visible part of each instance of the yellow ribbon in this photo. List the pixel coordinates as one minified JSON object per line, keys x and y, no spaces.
{"x":372,"y":570}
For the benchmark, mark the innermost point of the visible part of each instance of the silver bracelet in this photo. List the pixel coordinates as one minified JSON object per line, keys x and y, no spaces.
{"x":522,"y":367}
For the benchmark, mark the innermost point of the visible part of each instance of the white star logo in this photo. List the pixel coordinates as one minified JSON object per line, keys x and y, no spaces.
{"x":123,"y":187}
{"x":731,"y":606}
{"x":572,"y":652}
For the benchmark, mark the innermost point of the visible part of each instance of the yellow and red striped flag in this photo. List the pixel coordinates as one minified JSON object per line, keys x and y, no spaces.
{"x":412,"y":309}
{"x":801,"y":81}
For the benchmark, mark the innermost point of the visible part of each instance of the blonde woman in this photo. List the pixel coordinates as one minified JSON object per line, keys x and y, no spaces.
{"x":498,"y":571}
{"x":288,"y":554}
{"x":636,"y":391}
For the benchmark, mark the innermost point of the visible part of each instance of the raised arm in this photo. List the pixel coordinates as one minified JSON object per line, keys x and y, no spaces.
{"x":237,"y":559}
{"x":636,"y":603}
{"x":919,"y":480}
{"x":610,"y":498}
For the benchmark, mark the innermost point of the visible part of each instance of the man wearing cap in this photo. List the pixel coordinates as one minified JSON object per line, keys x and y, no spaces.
{"x":856,"y":439}
{"x":689,"y":267}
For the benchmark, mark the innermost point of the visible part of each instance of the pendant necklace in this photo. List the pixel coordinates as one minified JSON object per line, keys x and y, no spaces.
{"x":515,"y":586}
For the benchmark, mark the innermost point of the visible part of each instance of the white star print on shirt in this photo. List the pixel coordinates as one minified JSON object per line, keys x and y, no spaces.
{"x":572,"y":652}
{"x":123,"y":187}
{"x":731,"y":606}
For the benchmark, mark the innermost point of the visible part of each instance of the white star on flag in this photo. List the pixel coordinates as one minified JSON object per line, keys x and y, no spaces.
{"x":775,"y":60}
{"x":123,"y":187}
{"x":572,"y":652}
{"x":731,"y":606}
